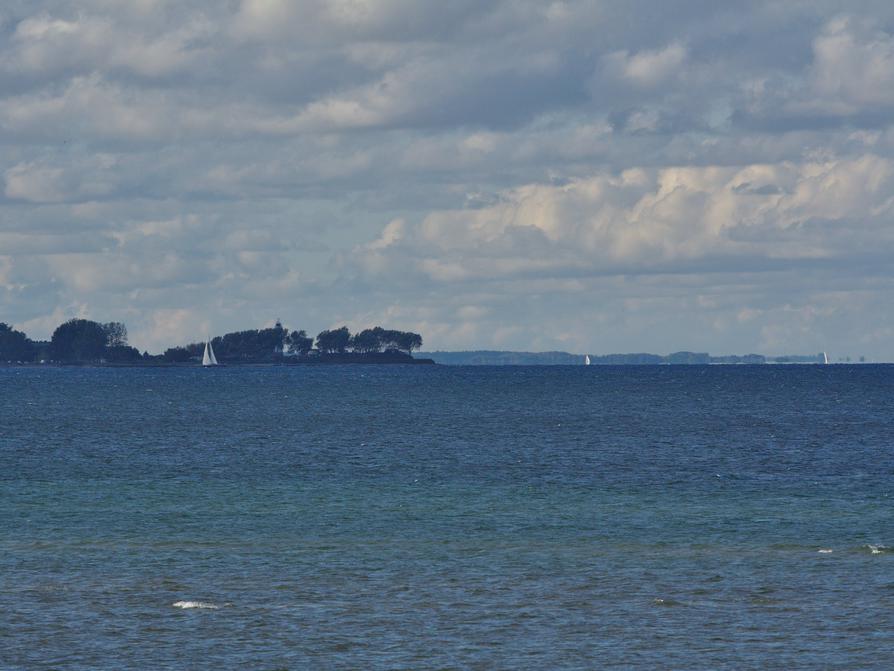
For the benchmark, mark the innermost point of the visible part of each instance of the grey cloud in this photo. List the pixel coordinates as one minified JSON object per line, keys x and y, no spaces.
{"x":678,"y":221}
{"x":716,"y":175}
{"x":763,"y":190}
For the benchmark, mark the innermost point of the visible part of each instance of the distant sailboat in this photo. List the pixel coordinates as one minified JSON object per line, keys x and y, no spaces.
{"x":208,"y":359}
{"x":586,"y":359}
{"x":825,"y":358}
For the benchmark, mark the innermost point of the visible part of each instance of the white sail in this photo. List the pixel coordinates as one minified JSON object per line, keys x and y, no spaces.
{"x":586,"y":359}
{"x":208,"y":359}
{"x":825,"y":358}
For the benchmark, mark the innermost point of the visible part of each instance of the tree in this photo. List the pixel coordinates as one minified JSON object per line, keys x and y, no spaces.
{"x":15,"y":345}
{"x":335,"y":341}
{"x":79,"y":340}
{"x":408,"y":341}
{"x":116,"y":334}
{"x":261,"y":345}
{"x":177,"y":354}
{"x":389,"y":338}
{"x":368,"y":340}
{"x":123,"y":354}
{"x":300,"y":343}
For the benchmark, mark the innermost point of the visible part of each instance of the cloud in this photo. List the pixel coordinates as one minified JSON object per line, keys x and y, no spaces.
{"x":671,"y":220}
{"x":88,"y":107}
{"x":635,"y":175}
{"x":85,"y":43}
{"x":854,"y":64}
{"x":43,"y":182}
{"x":350,"y":19}
{"x":648,"y":68}
{"x":34,"y":183}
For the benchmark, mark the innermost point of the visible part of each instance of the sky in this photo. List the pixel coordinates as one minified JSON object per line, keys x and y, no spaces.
{"x":582,"y":176}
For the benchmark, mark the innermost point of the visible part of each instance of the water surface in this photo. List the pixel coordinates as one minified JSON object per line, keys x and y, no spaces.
{"x":434,"y":517}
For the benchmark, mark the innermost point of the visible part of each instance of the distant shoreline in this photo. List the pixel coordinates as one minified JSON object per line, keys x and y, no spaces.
{"x":87,"y":342}
{"x":328,"y":360}
{"x":511,"y":358}
{"x":420,"y":361}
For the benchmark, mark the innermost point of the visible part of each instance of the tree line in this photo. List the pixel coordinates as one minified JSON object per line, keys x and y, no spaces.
{"x":75,"y":341}
{"x":86,"y":341}
{"x":277,"y":342}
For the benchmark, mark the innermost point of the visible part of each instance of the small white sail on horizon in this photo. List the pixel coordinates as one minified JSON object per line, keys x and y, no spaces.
{"x":208,"y":359}
{"x":825,"y":358}
{"x":586,"y":359}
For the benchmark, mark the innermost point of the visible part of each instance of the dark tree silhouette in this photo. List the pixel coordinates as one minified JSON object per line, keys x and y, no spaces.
{"x":300,"y":343}
{"x":335,"y":341}
{"x":84,"y":340}
{"x":389,"y":339}
{"x":116,"y":334}
{"x":182,"y":354}
{"x":122,"y":354}
{"x":408,"y":341}
{"x":15,"y":345}
{"x":367,"y":341}
{"x":78,"y":340}
{"x":262,"y":345}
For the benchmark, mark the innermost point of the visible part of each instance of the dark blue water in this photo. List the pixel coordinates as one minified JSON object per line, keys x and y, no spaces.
{"x":437,"y":518}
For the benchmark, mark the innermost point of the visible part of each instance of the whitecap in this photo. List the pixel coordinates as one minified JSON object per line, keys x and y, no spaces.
{"x":877,"y":549}
{"x":195,"y":604}
{"x":825,"y":551}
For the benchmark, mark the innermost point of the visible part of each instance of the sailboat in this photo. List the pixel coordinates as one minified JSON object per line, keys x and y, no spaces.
{"x":208,"y":358}
{"x":586,"y":359}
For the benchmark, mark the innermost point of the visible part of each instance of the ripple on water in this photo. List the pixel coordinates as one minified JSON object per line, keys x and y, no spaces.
{"x":202,"y":605}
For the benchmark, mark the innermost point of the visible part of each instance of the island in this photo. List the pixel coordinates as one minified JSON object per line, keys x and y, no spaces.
{"x":86,"y":342}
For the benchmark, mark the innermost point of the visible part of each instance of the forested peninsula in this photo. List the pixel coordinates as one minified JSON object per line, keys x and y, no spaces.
{"x":82,"y":341}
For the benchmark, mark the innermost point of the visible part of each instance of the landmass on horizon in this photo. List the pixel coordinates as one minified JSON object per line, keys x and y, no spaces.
{"x":82,"y":341}
{"x":506,"y":358}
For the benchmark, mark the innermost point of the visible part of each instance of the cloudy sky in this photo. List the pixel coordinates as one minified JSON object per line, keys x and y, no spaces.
{"x":588,"y":176}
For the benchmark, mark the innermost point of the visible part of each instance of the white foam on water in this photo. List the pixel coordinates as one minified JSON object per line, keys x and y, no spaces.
{"x":825,"y":551}
{"x":876,"y":549}
{"x":195,"y":604}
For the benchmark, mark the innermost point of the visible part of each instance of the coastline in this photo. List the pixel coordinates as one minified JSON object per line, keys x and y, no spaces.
{"x":327,"y":360}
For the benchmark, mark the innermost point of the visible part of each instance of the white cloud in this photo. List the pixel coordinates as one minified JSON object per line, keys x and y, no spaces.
{"x":43,"y":43}
{"x":710,"y":177}
{"x":648,"y":68}
{"x":320,"y":20}
{"x":88,"y":106}
{"x":648,"y":220}
{"x":42,"y":182}
{"x":37,"y":184}
{"x":854,"y":64}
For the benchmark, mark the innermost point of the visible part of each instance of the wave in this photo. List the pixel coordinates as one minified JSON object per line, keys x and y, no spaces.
{"x":195,"y":604}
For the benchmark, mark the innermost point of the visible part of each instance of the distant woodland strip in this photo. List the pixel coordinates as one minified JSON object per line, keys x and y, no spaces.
{"x":84,"y":341}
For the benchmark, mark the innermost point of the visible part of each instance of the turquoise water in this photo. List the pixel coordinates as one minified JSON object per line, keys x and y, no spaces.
{"x":390,"y":517}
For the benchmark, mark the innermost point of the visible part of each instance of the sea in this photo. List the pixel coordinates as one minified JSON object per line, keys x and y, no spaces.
{"x":435,"y":517}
